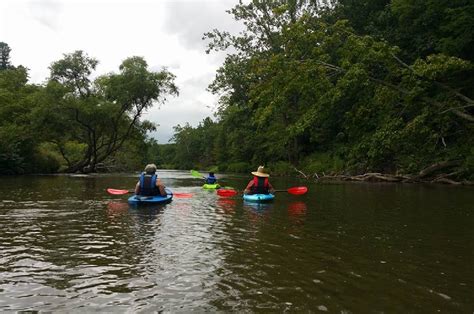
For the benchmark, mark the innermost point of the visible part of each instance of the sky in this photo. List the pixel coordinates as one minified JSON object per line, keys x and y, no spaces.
{"x":167,"y":33}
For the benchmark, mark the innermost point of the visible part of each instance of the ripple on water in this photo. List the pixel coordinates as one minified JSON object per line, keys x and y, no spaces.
{"x":90,"y":251}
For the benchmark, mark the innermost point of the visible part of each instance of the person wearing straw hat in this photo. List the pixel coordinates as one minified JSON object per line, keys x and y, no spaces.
{"x":260,"y":183}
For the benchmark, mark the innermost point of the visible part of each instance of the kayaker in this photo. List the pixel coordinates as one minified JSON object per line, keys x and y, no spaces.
{"x":260,"y":183}
{"x":211,"y":179}
{"x":149,"y":184}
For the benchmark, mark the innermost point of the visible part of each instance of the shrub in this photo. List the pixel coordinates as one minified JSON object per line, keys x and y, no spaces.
{"x":322,"y":163}
{"x":238,"y":167}
{"x":281,"y":168}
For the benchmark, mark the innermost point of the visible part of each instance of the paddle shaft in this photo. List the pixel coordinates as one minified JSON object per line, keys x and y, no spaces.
{"x":121,"y":192}
{"x":298,"y":190}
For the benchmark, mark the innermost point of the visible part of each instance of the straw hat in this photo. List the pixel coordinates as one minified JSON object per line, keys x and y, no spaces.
{"x":260,"y":172}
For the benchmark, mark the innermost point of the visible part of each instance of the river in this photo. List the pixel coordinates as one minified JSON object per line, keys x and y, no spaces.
{"x":68,"y":246}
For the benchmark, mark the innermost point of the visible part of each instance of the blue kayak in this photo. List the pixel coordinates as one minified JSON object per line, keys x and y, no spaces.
{"x":259,"y":197}
{"x":157,"y":199}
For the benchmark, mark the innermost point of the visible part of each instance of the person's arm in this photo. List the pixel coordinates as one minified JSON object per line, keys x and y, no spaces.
{"x":247,"y":188}
{"x":270,"y":188}
{"x":137,"y":188}
{"x":161,"y":187}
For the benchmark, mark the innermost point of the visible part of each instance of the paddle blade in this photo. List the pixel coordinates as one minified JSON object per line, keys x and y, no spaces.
{"x":118,"y":192}
{"x":298,"y":190}
{"x":196,"y":174}
{"x":226,"y":193}
{"x":183,"y":195}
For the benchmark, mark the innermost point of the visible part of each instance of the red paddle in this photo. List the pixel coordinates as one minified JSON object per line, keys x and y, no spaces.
{"x":297,"y":190}
{"x":121,"y":192}
{"x":227,"y":193}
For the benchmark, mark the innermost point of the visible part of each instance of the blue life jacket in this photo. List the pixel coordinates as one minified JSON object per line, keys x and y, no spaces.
{"x":260,"y":186}
{"x":148,"y":185}
{"x":211,"y":180}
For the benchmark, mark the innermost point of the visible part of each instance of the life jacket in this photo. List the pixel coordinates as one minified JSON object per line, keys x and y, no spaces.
{"x":211,"y":180}
{"x":148,"y":185}
{"x":260,"y":185}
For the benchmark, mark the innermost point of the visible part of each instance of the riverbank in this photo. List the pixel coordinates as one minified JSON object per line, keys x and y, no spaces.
{"x":430,"y":174}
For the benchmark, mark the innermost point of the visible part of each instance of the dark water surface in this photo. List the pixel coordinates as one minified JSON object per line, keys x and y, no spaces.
{"x":68,"y":246}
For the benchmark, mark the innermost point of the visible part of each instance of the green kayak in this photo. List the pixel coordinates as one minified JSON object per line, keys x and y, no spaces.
{"x":211,"y":186}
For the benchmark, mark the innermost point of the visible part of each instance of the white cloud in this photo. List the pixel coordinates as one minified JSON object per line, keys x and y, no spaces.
{"x":46,"y":12}
{"x":191,"y":19}
{"x":166,"y":33}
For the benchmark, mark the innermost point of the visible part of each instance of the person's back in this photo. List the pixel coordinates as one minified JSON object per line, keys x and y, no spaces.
{"x":211,"y":179}
{"x":260,"y":186}
{"x":260,"y":183}
{"x":149,"y":184}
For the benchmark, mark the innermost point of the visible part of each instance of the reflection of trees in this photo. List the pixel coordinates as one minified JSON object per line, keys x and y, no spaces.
{"x":63,"y":237}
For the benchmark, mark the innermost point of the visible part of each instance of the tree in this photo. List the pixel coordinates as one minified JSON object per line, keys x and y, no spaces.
{"x":4,"y":56}
{"x":18,"y":141}
{"x":99,"y":115}
{"x":304,"y":80}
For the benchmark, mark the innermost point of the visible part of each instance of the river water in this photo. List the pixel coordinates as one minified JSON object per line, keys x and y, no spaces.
{"x":68,"y":246}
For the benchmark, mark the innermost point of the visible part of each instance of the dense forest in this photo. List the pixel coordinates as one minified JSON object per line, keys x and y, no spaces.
{"x":372,"y":88}
{"x":342,"y":88}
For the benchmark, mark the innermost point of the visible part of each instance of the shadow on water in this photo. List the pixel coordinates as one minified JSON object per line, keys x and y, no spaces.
{"x":120,"y":208}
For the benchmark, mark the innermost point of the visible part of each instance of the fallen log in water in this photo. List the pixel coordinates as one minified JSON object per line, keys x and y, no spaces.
{"x":429,"y":174}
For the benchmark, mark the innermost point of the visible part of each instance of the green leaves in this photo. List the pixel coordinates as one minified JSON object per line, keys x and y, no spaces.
{"x":4,"y":56}
{"x":437,"y":67}
{"x":99,"y":116}
{"x":359,"y":80}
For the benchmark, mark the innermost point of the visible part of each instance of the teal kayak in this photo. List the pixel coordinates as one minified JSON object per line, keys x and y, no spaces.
{"x":157,"y":199}
{"x":259,"y":197}
{"x":211,"y":186}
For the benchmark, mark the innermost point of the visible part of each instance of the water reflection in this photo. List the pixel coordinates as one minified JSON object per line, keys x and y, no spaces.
{"x":296,"y":209}
{"x":258,"y":208}
{"x":228,"y":205}
{"x":116,"y":209}
{"x":67,"y":246}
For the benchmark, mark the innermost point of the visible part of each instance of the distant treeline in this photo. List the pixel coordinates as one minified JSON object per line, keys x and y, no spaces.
{"x":343,"y":88}
{"x":311,"y":87}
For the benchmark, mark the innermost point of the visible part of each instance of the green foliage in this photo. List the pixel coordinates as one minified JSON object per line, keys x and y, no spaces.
{"x":468,"y":165}
{"x":342,"y":87}
{"x":101,"y":116}
{"x":280,"y":168}
{"x":17,"y":138}
{"x":439,"y":66}
{"x":356,"y":87}
{"x":74,"y":123}
{"x":238,"y":167}
{"x":46,"y":159}
{"x":4,"y":56}
{"x":322,"y":163}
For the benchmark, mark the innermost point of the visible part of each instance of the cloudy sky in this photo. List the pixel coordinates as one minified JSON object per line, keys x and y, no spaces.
{"x":167,"y":33}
